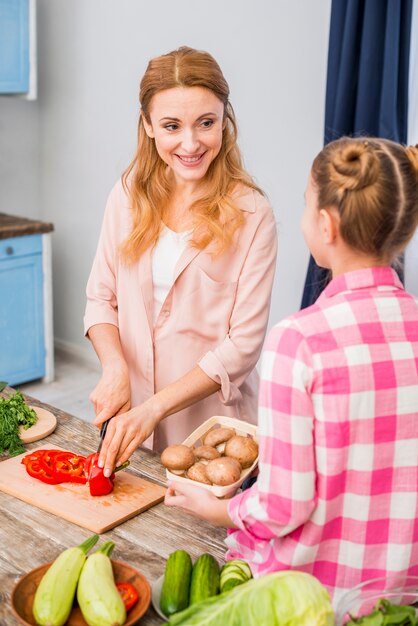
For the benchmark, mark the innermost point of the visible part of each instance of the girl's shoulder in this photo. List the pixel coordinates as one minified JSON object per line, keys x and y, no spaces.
{"x":301,"y":325}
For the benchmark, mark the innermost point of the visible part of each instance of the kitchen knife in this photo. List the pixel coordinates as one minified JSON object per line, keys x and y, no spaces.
{"x":103,"y":430}
{"x":103,"y":434}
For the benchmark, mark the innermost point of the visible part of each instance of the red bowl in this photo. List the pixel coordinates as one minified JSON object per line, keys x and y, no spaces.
{"x":24,"y":591}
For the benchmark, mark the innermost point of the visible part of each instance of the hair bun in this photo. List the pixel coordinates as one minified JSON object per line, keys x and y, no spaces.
{"x":355,"y":166}
{"x":412,"y":154}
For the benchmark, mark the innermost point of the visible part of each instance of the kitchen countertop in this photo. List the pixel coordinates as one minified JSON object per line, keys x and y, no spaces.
{"x":30,"y":537}
{"x":13,"y":226}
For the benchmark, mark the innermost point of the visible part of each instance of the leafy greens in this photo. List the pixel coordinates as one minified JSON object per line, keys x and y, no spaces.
{"x":14,"y":412}
{"x":387,"y":614}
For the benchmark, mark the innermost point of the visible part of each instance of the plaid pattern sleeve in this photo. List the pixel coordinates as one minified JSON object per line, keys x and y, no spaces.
{"x":284,"y":496}
{"x":337,"y":489}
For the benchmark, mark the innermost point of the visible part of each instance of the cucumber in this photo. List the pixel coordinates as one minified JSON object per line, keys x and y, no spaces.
{"x":97,"y":595}
{"x":55,"y":594}
{"x":228,"y":575}
{"x":238,"y":564}
{"x":205,"y":579}
{"x":234,"y":573}
{"x":176,"y":583}
{"x":229,"y":584}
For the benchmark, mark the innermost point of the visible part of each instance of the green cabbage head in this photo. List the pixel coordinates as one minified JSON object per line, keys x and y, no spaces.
{"x":287,"y":598}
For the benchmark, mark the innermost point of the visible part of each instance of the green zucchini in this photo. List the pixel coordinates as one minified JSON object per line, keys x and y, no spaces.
{"x":205,"y":579}
{"x":176,"y":583}
{"x":97,"y":595}
{"x":55,"y":594}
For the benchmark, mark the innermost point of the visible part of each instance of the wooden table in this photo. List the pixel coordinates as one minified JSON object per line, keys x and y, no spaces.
{"x":30,"y":537}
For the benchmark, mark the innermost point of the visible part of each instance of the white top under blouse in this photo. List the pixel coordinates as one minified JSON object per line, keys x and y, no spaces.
{"x":167,"y":251}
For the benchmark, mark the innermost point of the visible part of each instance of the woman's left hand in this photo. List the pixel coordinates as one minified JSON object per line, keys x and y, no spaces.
{"x":125,"y":433}
{"x":199,"y":502}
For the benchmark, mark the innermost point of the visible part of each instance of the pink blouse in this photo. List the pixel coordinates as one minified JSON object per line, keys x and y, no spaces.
{"x":215,"y":315}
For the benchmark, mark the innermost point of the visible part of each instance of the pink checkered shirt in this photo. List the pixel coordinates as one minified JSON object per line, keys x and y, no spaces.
{"x":338,"y":430}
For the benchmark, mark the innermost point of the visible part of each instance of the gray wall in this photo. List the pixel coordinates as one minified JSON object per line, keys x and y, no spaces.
{"x":19,"y":157}
{"x":61,"y":154}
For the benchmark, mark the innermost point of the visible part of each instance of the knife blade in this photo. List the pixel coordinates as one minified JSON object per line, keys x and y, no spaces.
{"x":103,"y":430}
{"x":103,"y":434}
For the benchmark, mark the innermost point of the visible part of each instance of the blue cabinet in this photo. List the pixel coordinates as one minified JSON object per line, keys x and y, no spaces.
{"x":22,"y":335}
{"x":14,"y":46}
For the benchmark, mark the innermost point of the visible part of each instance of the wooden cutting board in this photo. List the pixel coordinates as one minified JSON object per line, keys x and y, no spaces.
{"x":73,"y":502}
{"x":46,"y":424}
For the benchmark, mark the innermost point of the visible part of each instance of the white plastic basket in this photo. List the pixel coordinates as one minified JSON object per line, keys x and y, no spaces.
{"x":196,"y":438}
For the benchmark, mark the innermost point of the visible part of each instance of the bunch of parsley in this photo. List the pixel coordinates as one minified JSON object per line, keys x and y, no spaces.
{"x":14,"y":412}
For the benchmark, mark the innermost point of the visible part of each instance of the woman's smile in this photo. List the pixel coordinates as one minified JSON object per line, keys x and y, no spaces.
{"x":191,"y":161}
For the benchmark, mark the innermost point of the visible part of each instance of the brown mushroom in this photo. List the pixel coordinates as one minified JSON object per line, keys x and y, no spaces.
{"x":204,"y":454}
{"x":177,"y":458}
{"x":243,"y":449}
{"x":198,"y":473}
{"x":217,"y":438}
{"x":223,"y":471}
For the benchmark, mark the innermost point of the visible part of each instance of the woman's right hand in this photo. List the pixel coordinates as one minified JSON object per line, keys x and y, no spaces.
{"x":126,"y":432}
{"x":112,"y":394}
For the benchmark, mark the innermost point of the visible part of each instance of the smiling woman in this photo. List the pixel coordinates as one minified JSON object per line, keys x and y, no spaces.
{"x":179,"y":292}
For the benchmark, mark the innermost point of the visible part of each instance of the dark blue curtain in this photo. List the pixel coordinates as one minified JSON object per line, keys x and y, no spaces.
{"x":367,"y":82}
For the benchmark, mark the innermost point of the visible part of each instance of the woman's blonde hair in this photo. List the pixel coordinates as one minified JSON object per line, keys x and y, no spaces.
{"x":216,"y":216}
{"x":373,"y":183}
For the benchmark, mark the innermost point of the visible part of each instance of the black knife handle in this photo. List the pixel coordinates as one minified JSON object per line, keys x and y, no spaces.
{"x":104,"y":428}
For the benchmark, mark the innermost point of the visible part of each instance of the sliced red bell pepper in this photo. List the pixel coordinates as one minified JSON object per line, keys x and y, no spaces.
{"x":70,"y":468}
{"x":35,"y":469}
{"x":128,"y":594}
{"x":61,"y":466}
{"x":65,"y":456}
{"x":33,"y":456}
{"x":55,"y":466}
{"x":47,"y":459}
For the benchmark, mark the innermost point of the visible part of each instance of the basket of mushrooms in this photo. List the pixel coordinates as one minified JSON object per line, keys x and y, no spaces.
{"x":219,"y":455}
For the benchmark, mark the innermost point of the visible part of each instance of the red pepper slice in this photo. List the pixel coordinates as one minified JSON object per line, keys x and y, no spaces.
{"x":128,"y":594}
{"x":33,"y":456}
{"x":70,"y":468}
{"x":47,"y":459}
{"x":35,"y":469}
{"x":65,"y":456}
{"x":71,"y":461}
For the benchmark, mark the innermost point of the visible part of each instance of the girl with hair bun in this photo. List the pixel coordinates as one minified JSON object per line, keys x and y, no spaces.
{"x":179,"y":292}
{"x":337,"y":491}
